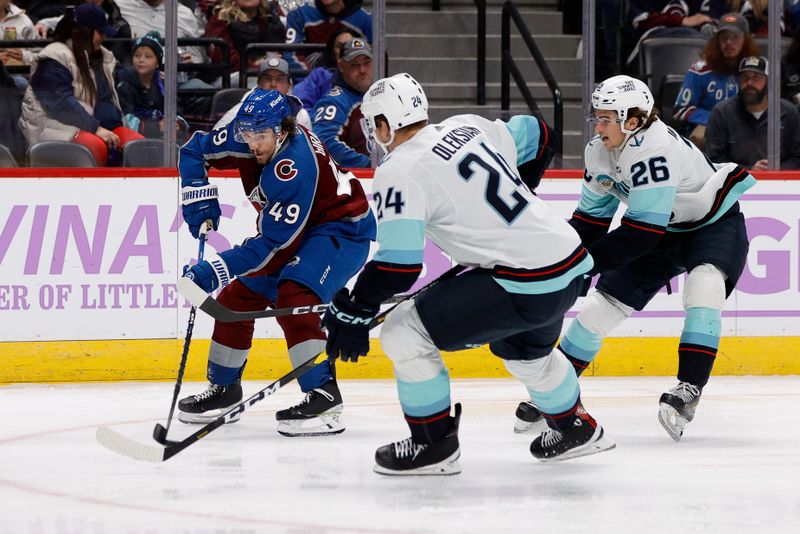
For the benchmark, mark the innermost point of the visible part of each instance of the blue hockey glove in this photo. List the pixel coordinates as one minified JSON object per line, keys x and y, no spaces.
{"x":209,"y":275}
{"x":347,"y":323}
{"x":199,"y":203}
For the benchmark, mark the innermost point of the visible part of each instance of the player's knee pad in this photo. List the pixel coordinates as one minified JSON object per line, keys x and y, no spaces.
{"x":301,"y":327}
{"x":541,"y":374}
{"x":601,"y":313}
{"x":407,"y":343}
{"x":705,"y":288}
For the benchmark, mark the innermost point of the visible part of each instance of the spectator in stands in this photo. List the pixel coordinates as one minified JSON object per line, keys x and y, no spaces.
{"x":337,"y":119}
{"x":243,"y":22}
{"x":121,"y":50}
{"x":790,"y":71}
{"x":141,"y":89}
{"x":147,"y":15}
{"x":71,"y":95}
{"x":715,"y":77}
{"x":319,"y":81}
{"x":737,"y":129}
{"x":42,"y":9}
{"x":15,"y":24}
{"x":756,"y":13}
{"x":672,"y":18}
{"x":315,"y":24}
{"x":10,"y":103}
{"x":273,"y":73}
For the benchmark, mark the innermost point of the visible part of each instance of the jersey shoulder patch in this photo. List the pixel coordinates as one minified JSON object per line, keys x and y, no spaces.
{"x":700,"y":67}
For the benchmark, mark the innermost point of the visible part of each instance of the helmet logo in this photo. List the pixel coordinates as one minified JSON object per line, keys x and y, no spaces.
{"x":627,"y":86}
{"x":377,"y":89}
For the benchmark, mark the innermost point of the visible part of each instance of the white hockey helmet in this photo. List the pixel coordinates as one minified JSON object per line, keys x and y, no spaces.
{"x":399,"y":98}
{"x":620,"y":94}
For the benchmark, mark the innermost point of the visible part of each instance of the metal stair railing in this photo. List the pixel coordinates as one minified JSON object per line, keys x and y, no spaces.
{"x":509,"y":68}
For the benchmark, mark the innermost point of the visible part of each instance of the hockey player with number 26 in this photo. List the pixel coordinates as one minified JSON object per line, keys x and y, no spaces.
{"x":682,"y":216}
{"x":458,"y":183}
{"x":314,"y":231}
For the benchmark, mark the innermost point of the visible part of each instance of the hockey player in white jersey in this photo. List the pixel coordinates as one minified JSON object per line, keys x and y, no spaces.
{"x":682,"y":216}
{"x":457,"y":184}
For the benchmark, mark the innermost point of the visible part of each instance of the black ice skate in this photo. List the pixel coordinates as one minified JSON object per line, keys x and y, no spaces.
{"x":584,"y":438}
{"x":318,"y":414}
{"x":676,"y":408}
{"x":210,"y":404}
{"x":529,"y":419}
{"x":407,"y":458}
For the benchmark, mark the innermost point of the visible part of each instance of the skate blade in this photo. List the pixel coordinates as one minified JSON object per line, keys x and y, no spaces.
{"x":323,"y":425}
{"x":671,"y":420}
{"x":525,"y":427}
{"x":601,"y":444}
{"x":204,"y":418}
{"x":447,"y":467}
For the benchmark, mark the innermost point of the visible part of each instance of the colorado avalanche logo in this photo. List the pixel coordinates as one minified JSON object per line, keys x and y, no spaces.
{"x":285,"y":170}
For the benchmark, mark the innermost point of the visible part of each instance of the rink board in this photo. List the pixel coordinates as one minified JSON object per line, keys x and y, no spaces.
{"x":89,"y":261}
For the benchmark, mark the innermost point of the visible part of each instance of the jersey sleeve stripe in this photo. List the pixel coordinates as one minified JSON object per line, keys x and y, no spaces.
{"x":599,"y":221}
{"x":404,"y":257}
{"x":643,"y":226}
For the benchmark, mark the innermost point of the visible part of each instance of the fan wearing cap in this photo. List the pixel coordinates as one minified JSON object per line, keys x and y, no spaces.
{"x":141,"y":86}
{"x":337,"y":115}
{"x":737,"y":129}
{"x":314,"y":232}
{"x":714,"y":78}
{"x":72,"y":96}
{"x":273,"y":73}
{"x":681,"y":216}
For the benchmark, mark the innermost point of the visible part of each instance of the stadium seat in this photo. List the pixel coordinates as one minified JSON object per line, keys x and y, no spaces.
{"x":225,"y":100}
{"x":60,"y":154}
{"x":143,"y":153}
{"x":659,"y":56}
{"x":670,"y":87}
{"x":6,"y":158}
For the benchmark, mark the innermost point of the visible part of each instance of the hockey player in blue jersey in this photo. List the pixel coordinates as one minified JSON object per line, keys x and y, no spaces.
{"x":457,"y":183}
{"x":682,"y":216}
{"x":314,"y":231}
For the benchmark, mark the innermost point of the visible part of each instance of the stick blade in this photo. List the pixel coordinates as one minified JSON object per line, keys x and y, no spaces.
{"x":116,"y":442}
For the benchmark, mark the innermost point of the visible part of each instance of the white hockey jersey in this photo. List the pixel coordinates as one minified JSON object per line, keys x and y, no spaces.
{"x":664,"y":179}
{"x":456,"y":183}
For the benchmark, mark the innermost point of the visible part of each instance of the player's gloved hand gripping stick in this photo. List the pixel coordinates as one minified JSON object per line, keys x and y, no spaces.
{"x":160,"y":432}
{"x":120,"y":444}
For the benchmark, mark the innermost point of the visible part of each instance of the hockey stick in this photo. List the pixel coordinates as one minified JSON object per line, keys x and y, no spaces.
{"x":159,"y":431}
{"x":116,"y":442}
{"x":207,"y":304}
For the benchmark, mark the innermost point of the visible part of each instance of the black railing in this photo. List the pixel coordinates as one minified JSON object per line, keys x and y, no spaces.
{"x":509,"y":68}
{"x":481,"y":42}
{"x":220,"y":69}
{"x":244,"y":61}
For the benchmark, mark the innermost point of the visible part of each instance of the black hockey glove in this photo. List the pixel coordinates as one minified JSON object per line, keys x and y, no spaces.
{"x":347,"y":323}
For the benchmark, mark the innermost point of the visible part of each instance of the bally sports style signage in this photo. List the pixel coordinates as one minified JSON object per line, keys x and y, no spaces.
{"x":99,"y":257}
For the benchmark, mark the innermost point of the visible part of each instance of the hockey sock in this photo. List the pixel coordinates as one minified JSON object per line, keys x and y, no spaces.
{"x":428,"y":429}
{"x":304,"y":337}
{"x":698,"y":346}
{"x":315,"y":377}
{"x":225,"y":364}
{"x":580,"y":346}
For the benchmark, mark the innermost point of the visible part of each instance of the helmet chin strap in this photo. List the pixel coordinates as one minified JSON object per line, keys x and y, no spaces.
{"x":385,"y":146}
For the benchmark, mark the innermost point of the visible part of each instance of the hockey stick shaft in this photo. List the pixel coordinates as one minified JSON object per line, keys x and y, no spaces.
{"x":127,"y":447}
{"x":203,"y":235}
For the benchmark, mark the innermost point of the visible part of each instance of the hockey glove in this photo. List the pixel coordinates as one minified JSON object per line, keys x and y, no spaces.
{"x":209,"y":275}
{"x":199,"y":203}
{"x":347,"y":323}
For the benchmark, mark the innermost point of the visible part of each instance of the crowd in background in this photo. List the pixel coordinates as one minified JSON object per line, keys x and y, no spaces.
{"x":117,"y":93}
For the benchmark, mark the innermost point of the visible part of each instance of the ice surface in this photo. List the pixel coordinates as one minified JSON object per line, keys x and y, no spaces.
{"x":737,"y":468}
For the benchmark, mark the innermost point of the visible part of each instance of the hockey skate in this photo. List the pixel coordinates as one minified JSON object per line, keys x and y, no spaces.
{"x":318,"y":414}
{"x":408,"y":458}
{"x":210,"y":404}
{"x":529,"y":419}
{"x":584,"y":438}
{"x":676,"y":408}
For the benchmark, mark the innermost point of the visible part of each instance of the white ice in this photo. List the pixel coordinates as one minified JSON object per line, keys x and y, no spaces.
{"x":737,"y":468}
